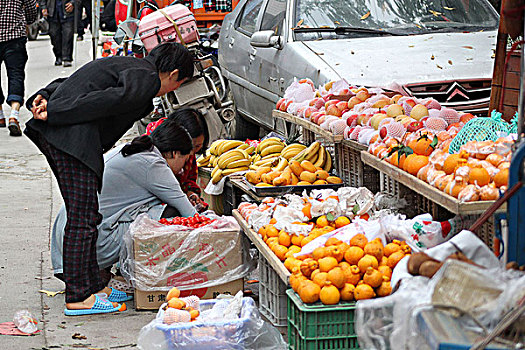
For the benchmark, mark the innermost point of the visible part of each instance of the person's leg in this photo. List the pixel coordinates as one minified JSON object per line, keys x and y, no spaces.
{"x":87,"y":5}
{"x":2,"y":97}
{"x":15,"y":62}
{"x":55,"y":33}
{"x":68,"y":32}
{"x":80,"y":23}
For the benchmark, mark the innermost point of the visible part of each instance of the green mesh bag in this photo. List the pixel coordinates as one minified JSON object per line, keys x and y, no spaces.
{"x":480,"y":129}
{"x":514,"y":124}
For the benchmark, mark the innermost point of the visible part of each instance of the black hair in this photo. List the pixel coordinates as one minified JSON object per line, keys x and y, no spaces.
{"x":193,"y":121}
{"x":167,"y":137}
{"x":170,"y":56}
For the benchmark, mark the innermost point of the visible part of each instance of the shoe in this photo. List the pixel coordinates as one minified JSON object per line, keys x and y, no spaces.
{"x":2,"y":123}
{"x":67,"y":64}
{"x":14,"y":127}
{"x":118,"y":296}
{"x":80,"y":38}
{"x":58,"y":62}
{"x":101,"y":306}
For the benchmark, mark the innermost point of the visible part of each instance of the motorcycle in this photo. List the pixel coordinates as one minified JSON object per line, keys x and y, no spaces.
{"x":206,"y":92}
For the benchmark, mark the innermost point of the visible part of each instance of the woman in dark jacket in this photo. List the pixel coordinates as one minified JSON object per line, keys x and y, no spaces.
{"x":75,"y":121}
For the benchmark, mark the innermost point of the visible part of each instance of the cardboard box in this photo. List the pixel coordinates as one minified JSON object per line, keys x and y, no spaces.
{"x":153,"y":300}
{"x":200,"y":262}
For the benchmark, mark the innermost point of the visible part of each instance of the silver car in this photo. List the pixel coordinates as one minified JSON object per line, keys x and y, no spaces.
{"x":425,"y":48}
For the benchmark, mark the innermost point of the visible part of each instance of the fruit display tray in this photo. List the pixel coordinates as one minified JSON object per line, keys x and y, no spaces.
{"x":318,"y":326}
{"x":308,"y":125}
{"x":351,"y":168}
{"x":273,"y":191}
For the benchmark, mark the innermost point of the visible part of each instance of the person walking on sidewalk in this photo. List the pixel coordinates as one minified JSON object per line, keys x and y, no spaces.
{"x":76,"y":120}
{"x":83,"y":24}
{"x":14,"y":16}
{"x":61,"y":17}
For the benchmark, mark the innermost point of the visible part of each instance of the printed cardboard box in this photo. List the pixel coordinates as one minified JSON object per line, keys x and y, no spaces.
{"x":154,"y":299}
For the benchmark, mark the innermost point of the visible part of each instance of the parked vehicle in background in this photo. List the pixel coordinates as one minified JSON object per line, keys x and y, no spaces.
{"x":426,"y":48}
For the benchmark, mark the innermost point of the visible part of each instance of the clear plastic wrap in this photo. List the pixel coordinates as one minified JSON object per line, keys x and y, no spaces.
{"x":245,"y":331}
{"x":157,"y":257}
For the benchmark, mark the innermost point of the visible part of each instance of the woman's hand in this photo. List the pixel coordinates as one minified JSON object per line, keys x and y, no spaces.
{"x":39,"y":108}
{"x":69,"y":7}
{"x":199,"y":204}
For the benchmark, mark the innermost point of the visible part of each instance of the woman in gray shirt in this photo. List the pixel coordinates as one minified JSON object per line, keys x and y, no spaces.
{"x":139,"y":177}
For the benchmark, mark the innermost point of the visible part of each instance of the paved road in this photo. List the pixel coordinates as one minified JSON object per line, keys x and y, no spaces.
{"x":30,"y":200}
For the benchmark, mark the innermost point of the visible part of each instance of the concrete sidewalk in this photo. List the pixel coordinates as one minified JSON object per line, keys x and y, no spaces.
{"x":30,"y":201}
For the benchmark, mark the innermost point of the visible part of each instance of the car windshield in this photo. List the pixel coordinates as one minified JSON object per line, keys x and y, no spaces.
{"x":401,"y":17}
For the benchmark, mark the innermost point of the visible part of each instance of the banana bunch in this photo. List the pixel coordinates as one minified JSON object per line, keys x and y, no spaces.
{"x":315,"y":154}
{"x":218,"y":148}
{"x":267,"y":153}
{"x":292,"y":150}
{"x":232,"y":161}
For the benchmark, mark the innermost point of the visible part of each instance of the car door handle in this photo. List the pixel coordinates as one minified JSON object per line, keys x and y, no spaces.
{"x":232,"y":40}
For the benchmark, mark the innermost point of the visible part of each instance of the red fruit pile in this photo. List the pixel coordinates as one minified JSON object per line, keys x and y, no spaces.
{"x":192,"y":221}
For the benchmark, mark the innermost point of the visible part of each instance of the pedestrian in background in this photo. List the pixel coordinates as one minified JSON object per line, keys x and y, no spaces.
{"x":14,"y":16}
{"x":83,"y":24}
{"x":61,"y":17}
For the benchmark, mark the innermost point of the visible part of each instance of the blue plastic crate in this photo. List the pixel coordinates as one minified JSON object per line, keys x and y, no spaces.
{"x":210,"y":335}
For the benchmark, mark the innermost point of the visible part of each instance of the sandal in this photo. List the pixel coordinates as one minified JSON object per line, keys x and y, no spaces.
{"x":101,"y":306}
{"x":118,"y":296}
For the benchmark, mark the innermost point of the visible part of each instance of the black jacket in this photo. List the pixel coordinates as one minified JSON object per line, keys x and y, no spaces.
{"x":50,"y":6}
{"x":93,"y":108}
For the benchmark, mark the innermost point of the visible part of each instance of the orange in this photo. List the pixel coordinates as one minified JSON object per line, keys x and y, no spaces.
{"x":309,"y":292}
{"x":423,"y":146}
{"x":394,"y":159}
{"x":352,"y":275}
{"x":450,"y":164}
{"x":391,"y":248}
{"x":337,"y":277}
{"x":479,"y":176}
{"x":296,"y":239}
{"x":384,"y":289}
{"x":273,"y":221}
{"x":307,"y":210}
{"x":293,"y":250}
{"x":327,"y":263}
{"x":322,"y":221}
{"x":363,"y":291}
{"x":194,"y":314}
{"x":290,"y":263}
{"x":347,"y":292}
{"x":416,"y":164}
{"x":375,"y":249}
{"x":284,"y":239}
{"x":173,"y":293}
{"x":320,"y":278}
{"x":353,"y":255}
{"x":359,"y":240}
{"x":373,"y":277}
{"x":280,"y":251}
{"x":502,"y":178}
{"x":386,"y":272}
{"x":394,"y":259}
{"x":367,"y":261}
{"x":307,"y":240}
{"x":271,"y":231}
{"x":272,"y":241}
{"x":494,"y":159}
{"x":319,"y":253}
{"x":335,"y":252}
{"x":342,"y":221}
{"x":176,"y":303}
{"x":329,"y":294}
{"x":332,"y":241}
{"x":402,"y":160}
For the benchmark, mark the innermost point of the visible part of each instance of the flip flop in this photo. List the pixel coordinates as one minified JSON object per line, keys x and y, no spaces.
{"x":118,"y":296}
{"x":101,"y":306}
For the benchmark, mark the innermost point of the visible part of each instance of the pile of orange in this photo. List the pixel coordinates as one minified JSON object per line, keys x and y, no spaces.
{"x":345,"y":272}
{"x":284,"y":245}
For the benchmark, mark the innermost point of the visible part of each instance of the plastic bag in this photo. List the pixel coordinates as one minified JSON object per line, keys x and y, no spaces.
{"x":25,"y":321}
{"x":248,"y":331}
{"x":156,"y":257}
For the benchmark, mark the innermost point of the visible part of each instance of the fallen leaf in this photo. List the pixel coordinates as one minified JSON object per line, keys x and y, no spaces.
{"x":300,"y":22}
{"x":432,"y":57}
{"x":437,"y":65}
{"x":467,"y":47}
{"x":469,"y":59}
{"x":365,"y":16}
{"x":79,"y":336}
{"x":337,"y":22}
{"x":435,"y":13}
{"x":352,"y":52}
{"x":79,"y":324}
{"x":51,"y":294}
{"x":450,"y":62}
{"x":410,"y":45}
{"x":449,"y":8}
{"x":61,"y":326}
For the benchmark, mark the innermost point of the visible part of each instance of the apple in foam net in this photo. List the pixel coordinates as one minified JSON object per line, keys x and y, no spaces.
{"x":279,"y":103}
{"x":342,"y":105}
{"x":333,"y":110}
{"x":308,"y":112}
{"x":315,"y":117}
{"x":328,"y":97}
{"x":351,"y":120}
{"x":383,"y":132}
{"x":362,"y":95}
{"x":321,"y":119}
{"x":317,"y":102}
{"x":330,"y":102}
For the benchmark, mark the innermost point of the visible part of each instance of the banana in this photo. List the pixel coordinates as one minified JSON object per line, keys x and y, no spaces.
{"x":300,"y":156}
{"x":269,"y":142}
{"x":272,"y":149}
{"x":214,"y":145}
{"x":217,"y":177}
{"x":283,"y":163}
{"x":321,"y":159}
{"x":313,"y":149}
{"x":250,"y":149}
{"x":293,"y":146}
{"x":253,"y":167}
{"x":212,"y":159}
{"x":228,"y":145}
{"x":227,"y":172}
{"x":214,"y":171}
{"x":243,"y":146}
{"x":238,"y":163}
{"x":328,"y":163}
{"x":312,"y":158}
{"x":266,"y":162}
{"x":208,"y":153}
{"x":215,"y":161}
{"x":230,"y":156}
{"x":256,"y":158}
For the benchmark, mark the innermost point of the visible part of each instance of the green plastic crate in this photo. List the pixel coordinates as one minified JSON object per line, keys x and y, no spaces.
{"x":317,"y":326}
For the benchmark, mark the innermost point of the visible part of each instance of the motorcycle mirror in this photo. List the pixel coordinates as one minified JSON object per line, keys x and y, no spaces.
{"x":128,"y":28}
{"x":137,"y":46}
{"x":119,"y":36}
